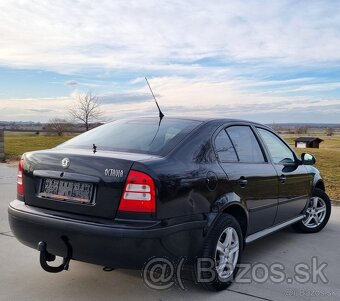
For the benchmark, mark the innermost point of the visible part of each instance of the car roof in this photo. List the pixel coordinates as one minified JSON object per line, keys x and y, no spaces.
{"x":205,"y":119}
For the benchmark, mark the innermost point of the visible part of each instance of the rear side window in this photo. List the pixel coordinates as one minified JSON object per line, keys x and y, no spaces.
{"x":245,"y":143}
{"x":140,"y":135}
{"x":224,"y":148}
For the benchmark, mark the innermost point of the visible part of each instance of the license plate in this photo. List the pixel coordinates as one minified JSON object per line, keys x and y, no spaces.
{"x":67,"y":190}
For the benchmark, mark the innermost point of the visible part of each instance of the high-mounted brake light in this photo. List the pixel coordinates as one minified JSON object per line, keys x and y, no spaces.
{"x":20,"y":182}
{"x":139,"y":193}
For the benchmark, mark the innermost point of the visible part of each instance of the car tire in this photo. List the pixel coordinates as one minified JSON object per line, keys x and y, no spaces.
{"x":317,"y":214}
{"x":223,"y":246}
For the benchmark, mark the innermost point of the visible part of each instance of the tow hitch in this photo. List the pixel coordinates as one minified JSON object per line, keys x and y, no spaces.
{"x":45,"y":257}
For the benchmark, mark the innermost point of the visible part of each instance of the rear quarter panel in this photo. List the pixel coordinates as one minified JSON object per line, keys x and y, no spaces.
{"x":183,"y":188}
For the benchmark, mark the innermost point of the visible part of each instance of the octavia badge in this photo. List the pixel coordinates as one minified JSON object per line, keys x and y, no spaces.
{"x":65,"y":163}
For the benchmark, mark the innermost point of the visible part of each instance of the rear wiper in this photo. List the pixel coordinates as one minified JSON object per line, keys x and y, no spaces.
{"x":94,"y":148}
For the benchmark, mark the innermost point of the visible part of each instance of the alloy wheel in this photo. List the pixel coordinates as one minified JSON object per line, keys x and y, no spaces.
{"x":227,"y":253}
{"x":316,"y":212}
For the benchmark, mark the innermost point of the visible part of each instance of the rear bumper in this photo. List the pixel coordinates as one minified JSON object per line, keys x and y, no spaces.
{"x":118,"y":245}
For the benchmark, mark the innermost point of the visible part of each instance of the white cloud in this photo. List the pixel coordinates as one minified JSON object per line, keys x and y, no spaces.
{"x":36,"y":109}
{"x":193,"y":93}
{"x":179,"y":96}
{"x":167,"y":38}
{"x":71,"y":83}
{"x":67,"y":36}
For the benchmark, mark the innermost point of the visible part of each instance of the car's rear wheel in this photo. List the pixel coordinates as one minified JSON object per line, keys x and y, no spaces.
{"x":221,"y":254}
{"x":317,"y":213}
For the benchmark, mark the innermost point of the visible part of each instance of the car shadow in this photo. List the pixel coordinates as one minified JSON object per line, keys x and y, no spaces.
{"x":257,"y":251}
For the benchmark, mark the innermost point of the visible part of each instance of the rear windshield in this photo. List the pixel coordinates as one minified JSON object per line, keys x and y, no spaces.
{"x":143,"y":135}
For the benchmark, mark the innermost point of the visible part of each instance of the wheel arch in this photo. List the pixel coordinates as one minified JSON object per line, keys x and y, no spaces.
{"x":239,"y":213}
{"x":231,"y":204}
{"x":320,"y":185}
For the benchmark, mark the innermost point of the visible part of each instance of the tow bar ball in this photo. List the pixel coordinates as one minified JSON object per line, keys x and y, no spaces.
{"x":45,"y":257}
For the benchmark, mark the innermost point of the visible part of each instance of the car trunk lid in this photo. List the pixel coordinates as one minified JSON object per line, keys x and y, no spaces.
{"x":90,"y":183}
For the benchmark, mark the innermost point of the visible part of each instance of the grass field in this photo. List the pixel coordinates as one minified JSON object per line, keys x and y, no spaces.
{"x":327,"y":161}
{"x":17,"y":143}
{"x":328,"y":155}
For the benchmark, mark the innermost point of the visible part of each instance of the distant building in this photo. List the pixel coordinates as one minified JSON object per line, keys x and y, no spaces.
{"x":307,"y":142}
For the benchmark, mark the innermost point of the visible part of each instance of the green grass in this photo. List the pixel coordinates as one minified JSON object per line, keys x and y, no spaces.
{"x":18,"y":143}
{"x":327,"y":161}
{"x":327,"y":156}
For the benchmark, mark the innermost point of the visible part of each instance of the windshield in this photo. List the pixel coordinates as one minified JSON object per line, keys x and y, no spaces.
{"x":142,"y":135}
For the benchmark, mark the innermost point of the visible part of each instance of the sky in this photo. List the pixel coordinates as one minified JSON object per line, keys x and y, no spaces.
{"x":266,"y":61}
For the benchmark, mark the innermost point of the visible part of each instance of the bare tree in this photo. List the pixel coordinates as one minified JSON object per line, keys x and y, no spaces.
{"x":57,"y":125}
{"x":301,"y":129}
{"x":87,"y":109}
{"x":330,"y":131}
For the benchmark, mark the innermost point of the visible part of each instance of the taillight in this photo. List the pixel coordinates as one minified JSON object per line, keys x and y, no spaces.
{"x":139,"y":193}
{"x":20,"y":182}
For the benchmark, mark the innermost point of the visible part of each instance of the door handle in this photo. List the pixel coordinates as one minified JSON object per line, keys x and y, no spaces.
{"x":283,"y":179}
{"x":242,"y":182}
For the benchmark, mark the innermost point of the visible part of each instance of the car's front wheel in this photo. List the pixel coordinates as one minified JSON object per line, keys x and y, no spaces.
{"x":317,"y":213}
{"x":217,"y":267}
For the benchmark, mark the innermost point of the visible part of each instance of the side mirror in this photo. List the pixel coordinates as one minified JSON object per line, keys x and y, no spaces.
{"x":308,"y":159}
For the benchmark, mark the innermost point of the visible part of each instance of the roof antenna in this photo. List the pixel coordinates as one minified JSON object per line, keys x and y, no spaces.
{"x":161,"y":115}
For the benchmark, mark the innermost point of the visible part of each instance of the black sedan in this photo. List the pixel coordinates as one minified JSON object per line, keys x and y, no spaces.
{"x":139,"y":188}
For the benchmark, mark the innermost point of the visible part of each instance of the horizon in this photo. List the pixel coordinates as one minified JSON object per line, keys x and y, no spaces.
{"x":278,"y":64}
{"x":103,"y":122}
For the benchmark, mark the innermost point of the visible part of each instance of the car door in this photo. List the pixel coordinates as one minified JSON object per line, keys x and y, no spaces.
{"x":249,"y":173}
{"x":293,"y":178}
